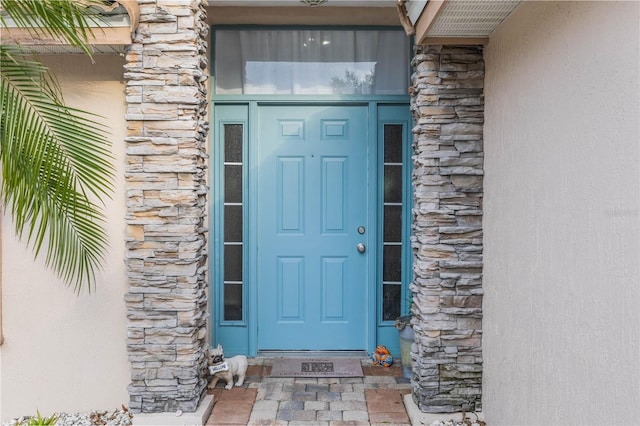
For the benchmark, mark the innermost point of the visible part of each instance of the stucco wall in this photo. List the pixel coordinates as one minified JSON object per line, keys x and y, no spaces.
{"x":63,"y":352}
{"x":562,"y":216}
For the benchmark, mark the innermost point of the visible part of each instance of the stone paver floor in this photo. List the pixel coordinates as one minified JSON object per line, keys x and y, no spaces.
{"x":375,"y":399}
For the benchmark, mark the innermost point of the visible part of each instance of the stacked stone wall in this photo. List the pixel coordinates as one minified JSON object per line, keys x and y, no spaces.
{"x":166,"y":205}
{"x":448,"y":109}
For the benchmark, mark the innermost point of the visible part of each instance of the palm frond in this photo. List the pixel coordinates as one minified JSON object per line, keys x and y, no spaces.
{"x":56,"y":169}
{"x":68,"y":20}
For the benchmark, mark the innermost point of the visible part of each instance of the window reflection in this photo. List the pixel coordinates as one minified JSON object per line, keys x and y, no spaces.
{"x":290,"y":62}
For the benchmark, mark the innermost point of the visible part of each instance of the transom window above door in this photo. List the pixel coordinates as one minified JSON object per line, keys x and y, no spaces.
{"x":311,"y":62}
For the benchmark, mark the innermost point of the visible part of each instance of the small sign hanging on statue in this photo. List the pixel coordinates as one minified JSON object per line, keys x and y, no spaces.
{"x":213,"y":369}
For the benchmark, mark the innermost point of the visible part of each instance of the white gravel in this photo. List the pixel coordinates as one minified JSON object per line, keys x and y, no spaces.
{"x":101,"y":418}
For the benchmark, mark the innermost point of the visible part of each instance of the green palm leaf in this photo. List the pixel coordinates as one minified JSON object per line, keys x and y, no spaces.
{"x":68,"y":20}
{"x":55,"y":160}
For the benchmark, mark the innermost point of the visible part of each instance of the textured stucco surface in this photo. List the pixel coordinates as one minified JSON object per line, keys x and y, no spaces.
{"x":64,"y":352}
{"x":562,"y":216}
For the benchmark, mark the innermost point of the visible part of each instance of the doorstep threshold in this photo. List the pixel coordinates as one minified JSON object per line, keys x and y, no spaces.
{"x":311,"y":354}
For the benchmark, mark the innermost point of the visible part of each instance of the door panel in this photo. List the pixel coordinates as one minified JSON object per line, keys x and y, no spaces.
{"x":312,"y":197}
{"x":290,"y":193}
{"x":333,"y":289}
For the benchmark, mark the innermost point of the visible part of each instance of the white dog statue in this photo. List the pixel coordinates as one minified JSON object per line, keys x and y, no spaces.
{"x":223,"y":369}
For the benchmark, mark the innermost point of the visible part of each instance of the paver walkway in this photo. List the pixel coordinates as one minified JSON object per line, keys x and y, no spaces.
{"x":375,"y":399}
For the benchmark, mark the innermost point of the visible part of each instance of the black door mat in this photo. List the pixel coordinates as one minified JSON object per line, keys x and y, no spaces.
{"x":316,"y":367}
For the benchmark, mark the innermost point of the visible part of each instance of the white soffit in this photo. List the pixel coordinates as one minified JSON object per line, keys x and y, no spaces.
{"x":52,"y":49}
{"x":111,"y":36}
{"x":469,"y":18}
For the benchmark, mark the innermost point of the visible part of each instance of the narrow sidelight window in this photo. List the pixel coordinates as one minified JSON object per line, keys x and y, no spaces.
{"x":233,"y":226}
{"x":392,"y":222}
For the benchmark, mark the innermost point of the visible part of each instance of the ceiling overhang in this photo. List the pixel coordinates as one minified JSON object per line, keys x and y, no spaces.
{"x":303,"y":3}
{"x":296,"y":12}
{"x":431,"y":21}
{"x":121,"y":20}
{"x":457,"y":21}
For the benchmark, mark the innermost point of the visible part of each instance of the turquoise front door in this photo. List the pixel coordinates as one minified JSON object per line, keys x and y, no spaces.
{"x":312,"y":229}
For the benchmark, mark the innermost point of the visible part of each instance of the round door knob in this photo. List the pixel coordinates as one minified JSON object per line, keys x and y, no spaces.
{"x":361,"y":248}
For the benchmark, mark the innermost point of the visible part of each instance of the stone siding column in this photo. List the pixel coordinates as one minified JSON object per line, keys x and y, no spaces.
{"x":166,"y":205}
{"x":448,"y":108}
